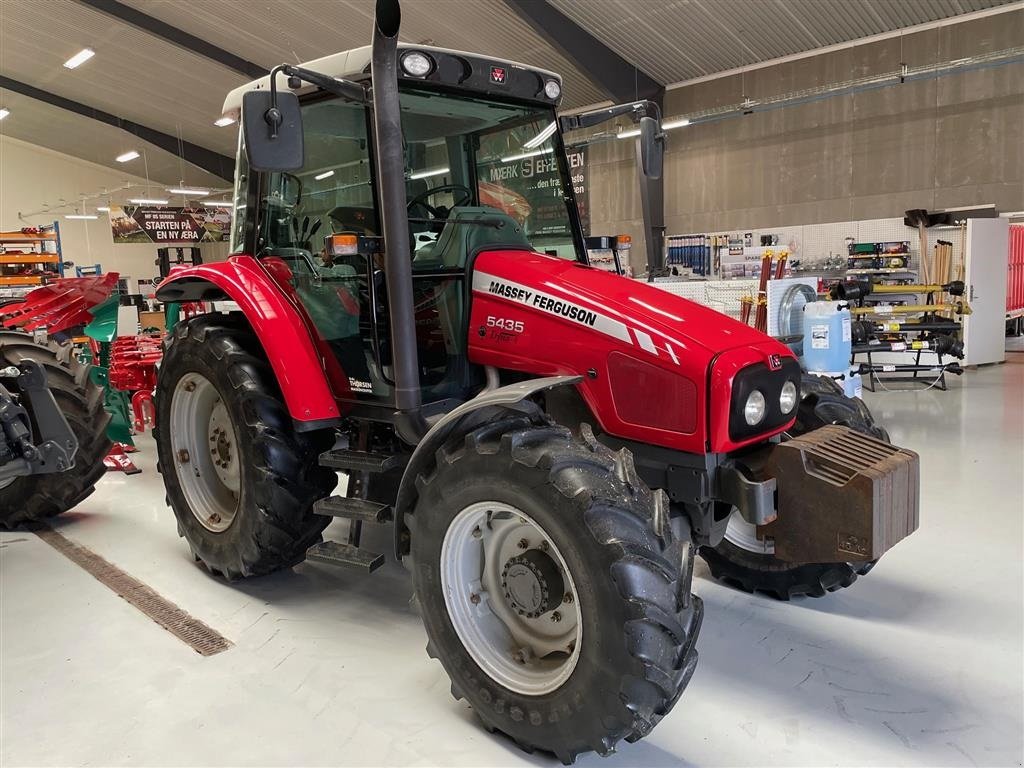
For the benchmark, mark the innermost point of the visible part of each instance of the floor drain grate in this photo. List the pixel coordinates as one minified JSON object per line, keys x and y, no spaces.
{"x":186,"y":628}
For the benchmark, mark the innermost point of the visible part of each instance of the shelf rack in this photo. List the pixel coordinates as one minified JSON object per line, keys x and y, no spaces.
{"x":45,"y":264}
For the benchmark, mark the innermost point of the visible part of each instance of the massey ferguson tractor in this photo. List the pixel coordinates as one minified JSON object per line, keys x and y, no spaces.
{"x":550,"y":443}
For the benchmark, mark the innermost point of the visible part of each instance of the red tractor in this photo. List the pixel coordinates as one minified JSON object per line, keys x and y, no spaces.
{"x":551,"y":443}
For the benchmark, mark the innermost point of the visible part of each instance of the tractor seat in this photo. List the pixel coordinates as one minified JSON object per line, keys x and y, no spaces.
{"x":466,"y":231}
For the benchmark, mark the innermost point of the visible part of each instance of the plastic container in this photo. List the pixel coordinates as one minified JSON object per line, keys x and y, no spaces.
{"x":849,"y":380}
{"x":827,"y":336}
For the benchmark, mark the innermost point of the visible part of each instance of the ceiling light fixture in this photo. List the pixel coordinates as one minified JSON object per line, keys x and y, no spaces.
{"x":147,"y":201}
{"x":104,"y":208}
{"x":628,"y":134}
{"x":4,"y":113}
{"x":324,"y":175}
{"x":80,"y":216}
{"x":80,"y":58}
{"x":188,"y":192}
{"x":127,"y":156}
{"x":218,"y":204}
{"x":428,"y":174}
{"x":220,"y":122}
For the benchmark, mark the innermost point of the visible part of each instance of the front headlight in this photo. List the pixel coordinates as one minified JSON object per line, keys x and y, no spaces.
{"x":753,"y":409}
{"x":787,"y":398}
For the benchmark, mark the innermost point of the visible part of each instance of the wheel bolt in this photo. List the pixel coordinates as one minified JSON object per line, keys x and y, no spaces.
{"x":477,"y":532}
{"x":190,"y":386}
{"x":556,"y":617}
{"x":523,"y":543}
{"x":183,"y":456}
{"x":519,"y":657}
{"x":544,"y":546}
{"x":568,"y":598}
{"x":474,"y":598}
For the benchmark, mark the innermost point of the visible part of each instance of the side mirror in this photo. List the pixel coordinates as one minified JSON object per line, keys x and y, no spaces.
{"x":652,"y":148}
{"x":273,"y":134}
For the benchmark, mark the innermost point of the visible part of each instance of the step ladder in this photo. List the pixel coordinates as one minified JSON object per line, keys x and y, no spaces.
{"x":360,"y":465}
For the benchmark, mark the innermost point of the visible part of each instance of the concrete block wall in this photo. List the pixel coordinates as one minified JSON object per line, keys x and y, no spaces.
{"x":954,"y":141}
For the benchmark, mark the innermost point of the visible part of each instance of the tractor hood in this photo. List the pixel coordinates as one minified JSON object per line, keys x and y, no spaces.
{"x":638,"y":305}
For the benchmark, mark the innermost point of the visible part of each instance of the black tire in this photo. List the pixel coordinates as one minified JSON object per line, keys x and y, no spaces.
{"x":280,"y":477}
{"x":640,"y":621}
{"x":37,"y":497}
{"x":822,"y":402}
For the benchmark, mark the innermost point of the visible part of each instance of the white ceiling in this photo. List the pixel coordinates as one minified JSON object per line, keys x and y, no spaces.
{"x":143,"y":78}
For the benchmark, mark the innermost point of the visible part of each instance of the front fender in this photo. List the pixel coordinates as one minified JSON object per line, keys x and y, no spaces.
{"x":289,"y":339}
{"x":507,"y":397}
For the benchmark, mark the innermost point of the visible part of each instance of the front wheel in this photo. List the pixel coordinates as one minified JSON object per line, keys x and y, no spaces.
{"x":744,"y":561}
{"x":240,"y":479}
{"x":555,"y":592}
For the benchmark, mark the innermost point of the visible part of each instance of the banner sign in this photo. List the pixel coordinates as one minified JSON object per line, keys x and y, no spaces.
{"x":164,"y":225}
{"x":529,"y":189}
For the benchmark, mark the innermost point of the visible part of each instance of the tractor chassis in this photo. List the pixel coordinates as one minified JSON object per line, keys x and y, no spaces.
{"x":57,"y":444}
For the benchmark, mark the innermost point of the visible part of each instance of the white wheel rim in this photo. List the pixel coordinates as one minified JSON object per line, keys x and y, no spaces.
{"x":205,"y":454}
{"x":744,"y":535}
{"x":531,"y":655}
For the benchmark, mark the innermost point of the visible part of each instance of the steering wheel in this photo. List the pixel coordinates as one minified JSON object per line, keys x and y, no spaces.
{"x":464,"y":197}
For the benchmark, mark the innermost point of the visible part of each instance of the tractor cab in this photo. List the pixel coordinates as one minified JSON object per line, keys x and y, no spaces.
{"x":483,"y":167}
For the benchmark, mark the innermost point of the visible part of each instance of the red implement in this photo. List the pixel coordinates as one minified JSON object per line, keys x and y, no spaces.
{"x":61,"y":305}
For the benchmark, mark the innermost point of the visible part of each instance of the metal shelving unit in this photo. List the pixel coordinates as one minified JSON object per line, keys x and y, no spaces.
{"x":43,"y":264}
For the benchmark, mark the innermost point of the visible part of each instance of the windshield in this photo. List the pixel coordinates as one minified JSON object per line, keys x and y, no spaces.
{"x":486,"y":169}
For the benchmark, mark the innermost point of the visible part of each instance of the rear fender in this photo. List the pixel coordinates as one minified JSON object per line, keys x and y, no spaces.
{"x":512,"y":397}
{"x":295,"y":350}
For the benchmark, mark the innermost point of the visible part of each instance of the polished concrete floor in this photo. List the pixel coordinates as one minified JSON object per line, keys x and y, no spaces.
{"x":920,"y":663}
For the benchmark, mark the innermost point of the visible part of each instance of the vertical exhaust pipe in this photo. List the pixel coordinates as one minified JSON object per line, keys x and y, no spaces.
{"x":391,"y":184}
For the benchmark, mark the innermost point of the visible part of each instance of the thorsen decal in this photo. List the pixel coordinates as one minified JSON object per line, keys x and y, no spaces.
{"x":552,"y":305}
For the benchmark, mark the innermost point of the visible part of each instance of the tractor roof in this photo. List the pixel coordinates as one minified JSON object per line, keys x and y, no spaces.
{"x":472,"y":71}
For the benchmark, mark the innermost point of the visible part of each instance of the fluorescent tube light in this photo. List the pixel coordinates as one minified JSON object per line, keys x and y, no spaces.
{"x":80,"y":58}
{"x":218,"y":204}
{"x":147,"y":201}
{"x":189,"y":192}
{"x":80,"y":216}
{"x":428,"y":174}
{"x":324,"y":175}
{"x":4,"y":113}
{"x":541,"y":137}
{"x":525,"y":155}
{"x":127,"y":156}
{"x":668,"y":125}
{"x":104,"y":208}
{"x":220,"y":122}
{"x":628,"y":134}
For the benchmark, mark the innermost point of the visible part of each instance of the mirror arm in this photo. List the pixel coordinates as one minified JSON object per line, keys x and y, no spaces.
{"x":336,"y":85}
{"x":635,"y":110}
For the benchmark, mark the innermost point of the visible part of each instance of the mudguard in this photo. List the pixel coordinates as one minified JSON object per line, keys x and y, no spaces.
{"x":508,"y":397}
{"x":288,"y":338}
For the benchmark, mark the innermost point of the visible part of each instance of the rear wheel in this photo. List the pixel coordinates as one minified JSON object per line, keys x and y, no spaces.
{"x":748,"y":563}
{"x":36,"y":497}
{"x":554,"y":591}
{"x":240,"y":479}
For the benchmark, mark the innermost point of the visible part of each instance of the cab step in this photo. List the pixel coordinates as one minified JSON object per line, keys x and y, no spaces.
{"x":336,"y":553}
{"x":353,"y":509}
{"x":362,"y":461}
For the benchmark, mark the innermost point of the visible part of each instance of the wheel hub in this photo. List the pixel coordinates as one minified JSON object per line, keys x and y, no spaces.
{"x":532,"y":584}
{"x":207,"y":463}
{"x":511,"y":598}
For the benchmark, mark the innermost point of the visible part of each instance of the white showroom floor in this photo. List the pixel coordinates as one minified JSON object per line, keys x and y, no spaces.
{"x":920,"y":663}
